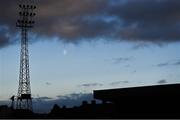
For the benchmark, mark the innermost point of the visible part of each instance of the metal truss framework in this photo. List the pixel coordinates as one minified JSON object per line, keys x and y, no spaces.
{"x":24,"y":99}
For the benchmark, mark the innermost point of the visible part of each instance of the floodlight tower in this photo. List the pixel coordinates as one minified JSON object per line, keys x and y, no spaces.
{"x":25,"y":22}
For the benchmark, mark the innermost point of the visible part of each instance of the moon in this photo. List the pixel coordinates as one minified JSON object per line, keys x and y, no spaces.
{"x":65,"y":52}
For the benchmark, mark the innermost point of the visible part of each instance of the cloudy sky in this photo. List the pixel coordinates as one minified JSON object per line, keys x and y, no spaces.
{"x":78,"y":46}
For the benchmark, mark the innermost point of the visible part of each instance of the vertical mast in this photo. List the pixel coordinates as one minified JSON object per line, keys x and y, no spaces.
{"x":24,"y":99}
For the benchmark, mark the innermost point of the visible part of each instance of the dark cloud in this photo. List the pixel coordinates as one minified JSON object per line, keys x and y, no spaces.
{"x":162,"y":82}
{"x":76,"y":96}
{"x":140,"y":46}
{"x":121,"y":59}
{"x":48,"y":83}
{"x":174,"y":63}
{"x":91,"y":85}
{"x":177,"y":63}
{"x":44,"y":98}
{"x":6,"y":37}
{"x":118,"y":82}
{"x":150,"y":21}
{"x":163,"y":64}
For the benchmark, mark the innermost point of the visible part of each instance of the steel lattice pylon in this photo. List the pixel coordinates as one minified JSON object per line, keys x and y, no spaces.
{"x":24,"y":99}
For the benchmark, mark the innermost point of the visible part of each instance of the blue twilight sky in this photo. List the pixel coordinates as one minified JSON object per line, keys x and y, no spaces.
{"x":84,"y":45}
{"x":60,"y":69}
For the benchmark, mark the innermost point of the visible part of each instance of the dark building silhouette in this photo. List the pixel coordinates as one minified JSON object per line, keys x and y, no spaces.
{"x":148,"y":101}
{"x":153,"y":92}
